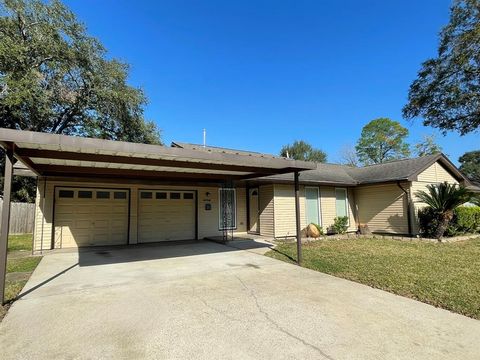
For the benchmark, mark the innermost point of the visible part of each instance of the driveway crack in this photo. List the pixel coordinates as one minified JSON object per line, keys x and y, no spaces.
{"x":278,"y":326}
{"x":218,"y":311}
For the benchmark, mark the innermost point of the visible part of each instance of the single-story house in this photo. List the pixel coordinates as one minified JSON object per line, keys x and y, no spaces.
{"x":94,"y":192}
{"x":99,"y":192}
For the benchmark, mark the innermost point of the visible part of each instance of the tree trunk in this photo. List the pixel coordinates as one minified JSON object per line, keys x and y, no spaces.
{"x":445,"y":219}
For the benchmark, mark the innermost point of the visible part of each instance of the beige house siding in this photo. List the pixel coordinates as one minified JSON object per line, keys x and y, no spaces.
{"x":266,"y":210}
{"x":328,"y":207}
{"x":281,"y":203}
{"x":42,"y":233}
{"x":285,"y":219}
{"x":208,"y":220}
{"x":383,"y":208}
{"x":435,"y":174}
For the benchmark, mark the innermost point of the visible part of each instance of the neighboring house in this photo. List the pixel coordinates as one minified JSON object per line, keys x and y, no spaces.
{"x":98,"y":192}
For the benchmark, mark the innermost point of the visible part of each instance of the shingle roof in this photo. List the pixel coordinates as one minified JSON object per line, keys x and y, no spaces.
{"x":216,"y":149}
{"x":324,"y":174}
{"x":396,"y":170}
{"x":335,"y":174}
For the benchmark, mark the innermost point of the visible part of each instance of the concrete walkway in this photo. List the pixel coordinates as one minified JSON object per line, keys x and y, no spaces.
{"x":210,"y":301}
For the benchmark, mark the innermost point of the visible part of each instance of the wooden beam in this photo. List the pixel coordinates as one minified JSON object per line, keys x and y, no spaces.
{"x":5,"y":222}
{"x":117,"y":159}
{"x":60,"y":170}
{"x":297,"y":219}
{"x":73,"y":143}
{"x":28,"y":163}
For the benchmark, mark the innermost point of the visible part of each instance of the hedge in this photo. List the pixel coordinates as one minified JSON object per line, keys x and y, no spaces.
{"x":466,"y":220}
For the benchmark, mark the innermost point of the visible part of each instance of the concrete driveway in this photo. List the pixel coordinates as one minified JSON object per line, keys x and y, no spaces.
{"x":210,"y":301}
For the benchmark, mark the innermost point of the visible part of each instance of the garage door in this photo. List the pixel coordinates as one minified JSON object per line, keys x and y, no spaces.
{"x":88,"y":217}
{"x":166,"y":215}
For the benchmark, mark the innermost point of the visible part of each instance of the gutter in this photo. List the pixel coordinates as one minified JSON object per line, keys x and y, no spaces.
{"x":409,"y":208}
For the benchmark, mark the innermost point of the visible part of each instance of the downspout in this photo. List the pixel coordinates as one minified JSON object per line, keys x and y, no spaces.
{"x":409,"y":205}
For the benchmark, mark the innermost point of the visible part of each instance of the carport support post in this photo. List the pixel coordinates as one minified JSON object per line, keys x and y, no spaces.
{"x":7,"y":190}
{"x":297,"y":218}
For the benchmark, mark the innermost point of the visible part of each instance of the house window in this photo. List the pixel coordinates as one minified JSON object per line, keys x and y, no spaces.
{"x":312,"y":207}
{"x":227,"y":209}
{"x":341,"y":202}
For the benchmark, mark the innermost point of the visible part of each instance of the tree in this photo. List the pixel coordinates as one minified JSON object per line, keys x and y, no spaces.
{"x":381,"y":140}
{"x":470,"y":165}
{"x":300,"y":150}
{"x":348,"y":156}
{"x":443,"y":198}
{"x":447,"y":91}
{"x":427,"y":146}
{"x":55,"y":78}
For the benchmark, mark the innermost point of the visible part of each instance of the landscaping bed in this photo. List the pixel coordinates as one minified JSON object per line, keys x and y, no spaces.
{"x":20,"y":265}
{"x":445,"y":275}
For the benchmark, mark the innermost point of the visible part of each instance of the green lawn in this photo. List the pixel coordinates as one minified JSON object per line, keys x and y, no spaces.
{"x":446,"y":275}
{"x":21,"y":242}
{"x":20,"y":265}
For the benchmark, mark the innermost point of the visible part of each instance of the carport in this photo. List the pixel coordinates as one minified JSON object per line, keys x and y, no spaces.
{"x":61,"y":156}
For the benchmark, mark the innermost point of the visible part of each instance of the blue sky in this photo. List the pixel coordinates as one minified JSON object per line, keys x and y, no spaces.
{"x":260,"y":74}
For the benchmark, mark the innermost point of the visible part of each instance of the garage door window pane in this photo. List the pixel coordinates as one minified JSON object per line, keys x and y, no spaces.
{"x":161,"y":195}
{"x":84,"y":194}
{"x":66,"y":193}
{"x":103,"y":194}
{"x":188,"y":196}
{"x":174,"y":195}
{"x":120,"y":195}
{"x":146,"y":195}
{"x":227,"y":209}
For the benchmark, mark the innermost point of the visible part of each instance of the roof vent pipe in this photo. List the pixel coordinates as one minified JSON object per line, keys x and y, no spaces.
{"x":204,"y":137}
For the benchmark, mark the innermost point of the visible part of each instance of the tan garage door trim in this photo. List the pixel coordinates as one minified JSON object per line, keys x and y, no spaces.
{"x":175,"y":190}
{"x":89,"y":187}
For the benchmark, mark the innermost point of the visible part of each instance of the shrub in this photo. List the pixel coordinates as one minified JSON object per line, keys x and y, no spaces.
{"x":466,"y":220}
{"x":428,"y":221}
{"x":340,"y":225}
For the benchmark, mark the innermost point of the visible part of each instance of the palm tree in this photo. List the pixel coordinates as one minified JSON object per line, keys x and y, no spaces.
{"x":443,"y":198}
{"x":476,"y":200}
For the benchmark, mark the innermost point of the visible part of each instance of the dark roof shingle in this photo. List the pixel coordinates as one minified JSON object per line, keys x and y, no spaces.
{"x":343,"y":175}
{"x":393,"y":170}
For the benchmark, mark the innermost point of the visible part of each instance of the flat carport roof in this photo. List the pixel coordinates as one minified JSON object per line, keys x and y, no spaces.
{"x":61,"y":155}
{"x":48,"y":155}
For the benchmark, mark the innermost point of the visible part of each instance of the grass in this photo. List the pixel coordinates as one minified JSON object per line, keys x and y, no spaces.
{"x":20,"y":265}
{"x":445,"y":275}
{"x":21,"y":242}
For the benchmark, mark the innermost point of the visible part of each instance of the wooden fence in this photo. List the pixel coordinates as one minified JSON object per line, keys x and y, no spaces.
{"x":22,"y":217}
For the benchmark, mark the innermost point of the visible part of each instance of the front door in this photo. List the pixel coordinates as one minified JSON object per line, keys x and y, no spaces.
{"x":253,"y":210}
